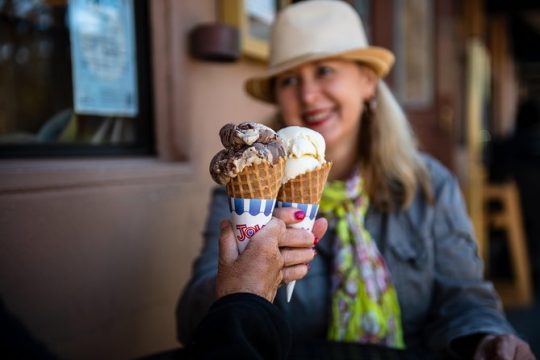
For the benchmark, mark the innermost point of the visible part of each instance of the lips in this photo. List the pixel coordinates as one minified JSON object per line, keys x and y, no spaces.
{"x":317,"y":117}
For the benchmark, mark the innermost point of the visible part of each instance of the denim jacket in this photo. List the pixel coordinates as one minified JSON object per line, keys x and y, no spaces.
{"x":432,"y":256}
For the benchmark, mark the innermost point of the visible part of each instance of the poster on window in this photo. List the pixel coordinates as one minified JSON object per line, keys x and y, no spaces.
{"x":103,"y":57}
{"x":260,"y":13}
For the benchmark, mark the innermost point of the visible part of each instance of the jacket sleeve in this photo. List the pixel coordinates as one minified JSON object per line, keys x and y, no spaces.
{"x":241,"y":326}
{"x":463,"y":302}
{"x":199,"y":293}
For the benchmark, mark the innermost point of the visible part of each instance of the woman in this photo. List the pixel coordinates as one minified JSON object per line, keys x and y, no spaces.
{"x":399,"y":266}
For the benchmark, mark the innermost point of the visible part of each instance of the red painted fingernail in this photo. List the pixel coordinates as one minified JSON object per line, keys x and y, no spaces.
{"x":299,"y":215}
{"x":315,"y":240}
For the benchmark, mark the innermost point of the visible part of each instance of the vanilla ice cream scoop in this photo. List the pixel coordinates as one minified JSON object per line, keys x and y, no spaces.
{"x":305,"y":150}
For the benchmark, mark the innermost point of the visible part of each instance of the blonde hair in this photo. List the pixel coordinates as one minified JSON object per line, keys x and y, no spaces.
{"x":391,"y":165}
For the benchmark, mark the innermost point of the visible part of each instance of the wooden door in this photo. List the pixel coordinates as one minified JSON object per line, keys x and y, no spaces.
{"x":428,"y":72}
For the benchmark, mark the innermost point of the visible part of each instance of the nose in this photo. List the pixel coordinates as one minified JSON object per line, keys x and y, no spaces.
{"x":309,"y":90}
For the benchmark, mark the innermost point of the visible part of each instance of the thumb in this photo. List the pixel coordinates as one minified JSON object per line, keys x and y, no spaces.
{"x":482,"y":349}
{"x":228,"y":250}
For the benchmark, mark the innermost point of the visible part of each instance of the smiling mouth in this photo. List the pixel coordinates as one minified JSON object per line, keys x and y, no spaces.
{"x":314,"y":118}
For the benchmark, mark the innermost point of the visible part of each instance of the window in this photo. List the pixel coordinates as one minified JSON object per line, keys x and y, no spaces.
{"x":74,"y":78}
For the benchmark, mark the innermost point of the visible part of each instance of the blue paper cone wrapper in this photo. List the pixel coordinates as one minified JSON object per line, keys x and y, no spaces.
{"x":311,"y":213}
{"x":249,"y":216}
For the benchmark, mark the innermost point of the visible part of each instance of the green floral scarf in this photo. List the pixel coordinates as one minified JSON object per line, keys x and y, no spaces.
{"x":365,"y":306}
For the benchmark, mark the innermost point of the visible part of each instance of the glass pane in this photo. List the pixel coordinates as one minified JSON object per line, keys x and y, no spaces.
{"x":37,"y":67}
{"x":364,"y":9}
{"x":260,"y":13}
{"x":413,"y":39}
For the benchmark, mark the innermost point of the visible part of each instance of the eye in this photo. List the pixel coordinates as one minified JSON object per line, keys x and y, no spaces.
{"x":324,"y":70}
{"x":287,"y":80}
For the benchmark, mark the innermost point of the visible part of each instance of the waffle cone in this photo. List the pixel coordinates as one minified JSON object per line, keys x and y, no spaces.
{"x":257,"y":181}
{"x":305,"y":188}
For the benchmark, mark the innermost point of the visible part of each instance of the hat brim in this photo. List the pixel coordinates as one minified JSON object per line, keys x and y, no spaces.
{"x":380,"y":60}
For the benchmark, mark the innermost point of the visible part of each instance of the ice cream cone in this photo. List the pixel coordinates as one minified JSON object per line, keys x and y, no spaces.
{"x":305,"y":188}
{"x":257,"y":181}
{"x":304,"y":192}
{"x":252,"y":198}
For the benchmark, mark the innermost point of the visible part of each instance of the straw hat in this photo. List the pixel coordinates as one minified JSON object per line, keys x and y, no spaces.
{"x":314,"y":30}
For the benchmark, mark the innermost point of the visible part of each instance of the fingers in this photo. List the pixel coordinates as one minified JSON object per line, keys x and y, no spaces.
{"x":319,"y":228}
{"x":296,"y":272}
{"x":281,"y":253}
{"x":263,"y":246}
{"x":302,"y":238}
{"x":257,"y":270}
{"x":297,"y":238}
{"x":523,"y":351}
{"x":292,"y":256}
{"x":228,"y":250}
{"x":505,"y":347}
{"x":289,"y":215}
{"x":272,"y":232}
{"x":483,"y":348}
{"x":502,"y":347}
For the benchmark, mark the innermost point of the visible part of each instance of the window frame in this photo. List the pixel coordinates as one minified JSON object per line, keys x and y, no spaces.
{"x":145,"y":142}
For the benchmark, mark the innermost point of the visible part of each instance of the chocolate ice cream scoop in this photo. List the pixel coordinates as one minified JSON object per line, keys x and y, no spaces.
{"x":246,"y":133}
{"x":245,"y":144}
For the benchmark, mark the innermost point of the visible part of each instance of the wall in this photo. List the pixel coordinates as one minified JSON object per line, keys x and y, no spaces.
{"x":94,"y":252}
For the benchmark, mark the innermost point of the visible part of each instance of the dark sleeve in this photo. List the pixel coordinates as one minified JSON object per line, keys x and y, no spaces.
{"x":16,"y":341}
{"x":241,"y":326}
{"x":200,"y":293}
{"x":464,"y":303}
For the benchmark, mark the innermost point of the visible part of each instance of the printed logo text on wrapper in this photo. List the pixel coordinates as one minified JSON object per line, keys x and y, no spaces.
{"x":249,"y":216}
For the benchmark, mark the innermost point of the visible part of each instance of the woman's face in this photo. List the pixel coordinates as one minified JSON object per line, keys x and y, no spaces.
{"x":327,"y":96}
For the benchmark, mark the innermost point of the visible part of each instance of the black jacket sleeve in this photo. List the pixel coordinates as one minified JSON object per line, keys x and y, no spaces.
{"x":16,"y":340}
{"x":241,"y":326}
{"x":200,"y":292}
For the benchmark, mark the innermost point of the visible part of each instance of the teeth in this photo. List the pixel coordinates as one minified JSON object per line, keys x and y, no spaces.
{"x":316,"y":117}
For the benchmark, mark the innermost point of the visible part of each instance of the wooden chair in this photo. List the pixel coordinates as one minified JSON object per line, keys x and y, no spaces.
{"x":518,"y":291}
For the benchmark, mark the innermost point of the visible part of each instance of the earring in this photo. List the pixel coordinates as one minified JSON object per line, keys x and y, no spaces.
{"x":371,"y":104}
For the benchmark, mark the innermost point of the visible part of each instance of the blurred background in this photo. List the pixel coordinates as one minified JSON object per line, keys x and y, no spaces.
{"x":109,"y":115}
